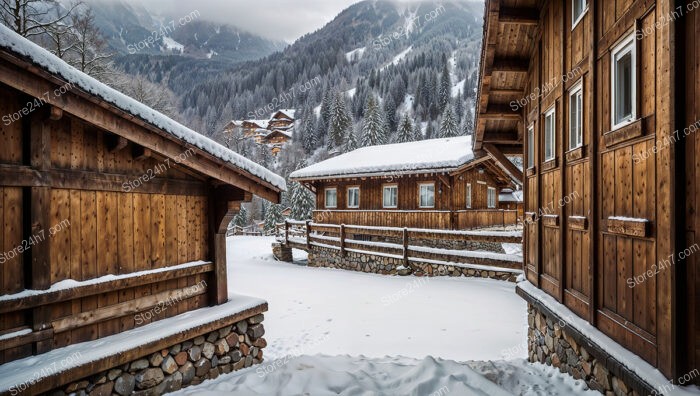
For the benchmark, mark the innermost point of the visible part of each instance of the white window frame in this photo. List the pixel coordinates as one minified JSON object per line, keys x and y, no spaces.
{"x":491,"y":198}
{"x":392,"y":187}
{"x":575,"y":19}
{"x":576,"y":93}
{"x":353,"y":188}
{"x":550,"y":134}
{"x":420,"y":195}
{"x":325,"y":197}
{"x":627,"y":45}
{"x":469,"y":195}
{"x":531,"y":146}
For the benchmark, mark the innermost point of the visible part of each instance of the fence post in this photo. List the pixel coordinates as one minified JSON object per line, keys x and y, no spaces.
{"x":342,"y":240}
{"x":405,"y":247}
{"x":286,"y":232}
{"x":308,"y":235}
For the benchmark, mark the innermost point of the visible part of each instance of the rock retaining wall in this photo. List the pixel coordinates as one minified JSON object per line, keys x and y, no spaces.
{"x":372,"y":263}
{"x":228,"y":349}
{"x":281,"y":252}
{"x":551,"y":343}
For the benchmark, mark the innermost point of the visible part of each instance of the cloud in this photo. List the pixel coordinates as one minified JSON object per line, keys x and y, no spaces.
{"x":275,"y":19}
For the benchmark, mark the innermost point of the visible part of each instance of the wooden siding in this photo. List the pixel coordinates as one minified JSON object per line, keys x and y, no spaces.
{"x":691,"y":328}
{"x":450,"y":209}
{"x":569,"y":250}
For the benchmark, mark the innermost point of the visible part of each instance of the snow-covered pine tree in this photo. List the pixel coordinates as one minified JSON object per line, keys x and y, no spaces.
{"x":307,"y":125}
{"x":417,"y":132}
{"x":340,"y":121}
{"x":373,"y":124}
{"x":302,"y":202}
{"x":351,"y":143}
{"x":405,"y":132}
{"x":448,"y":125}
{"x":391,"y":115}
{"x":430,"y":130}
{"x":445,"y":87}
{"x":468,"y":123}
{"x":273,"y":216}
{"x":241,"y":219}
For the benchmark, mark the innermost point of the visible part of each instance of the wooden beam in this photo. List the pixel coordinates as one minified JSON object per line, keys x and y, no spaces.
{"x":140,"y":153}
{"x":507,"y":92}
{"x":56,"y":113}
{"x":502,"y":137}
{"x":504,"y":162}
{"x":115,"y":143}
{"x":512,"y":65}
{"x":521,"y":16}
{"x":92,"y":289}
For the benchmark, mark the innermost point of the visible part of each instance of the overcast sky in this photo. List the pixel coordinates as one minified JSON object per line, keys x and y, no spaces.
{"x":276,"y":19}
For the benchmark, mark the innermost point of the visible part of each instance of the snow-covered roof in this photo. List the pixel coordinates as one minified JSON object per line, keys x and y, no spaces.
{"x":288,"y":112}
{"x":424,"y":156}
{"x":508,"y":195}
{"x":22,"y":47}
{"x":261,"y":123}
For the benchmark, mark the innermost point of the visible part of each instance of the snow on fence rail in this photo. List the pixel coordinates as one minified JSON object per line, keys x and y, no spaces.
{"x":400,"y":242}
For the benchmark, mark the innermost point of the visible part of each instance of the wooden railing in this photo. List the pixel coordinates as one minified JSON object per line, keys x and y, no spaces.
{"x":408,"y":244}
{"x":434,"y":219}
{"x":174,"y":284}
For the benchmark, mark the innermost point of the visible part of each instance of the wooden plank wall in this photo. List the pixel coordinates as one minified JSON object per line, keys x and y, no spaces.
{"x":691,"y":330}
{"x":480,"y":183}
{"x":559,"y":246}
{"x":104,"y":230}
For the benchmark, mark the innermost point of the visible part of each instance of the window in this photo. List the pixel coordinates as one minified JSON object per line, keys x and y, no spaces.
{"x":531,"y":146}
{"x":391,"y":197}
{"x":624,"y":83}
{"x":426,"y":195}
{"x":576,"y":117}
{"x":331,"y":198}
{"x":469,"y":196}
{"x":550,"y":124}
{"x":491,"y":198}
{"x":578,"y":10}
{"x":353,"y":197}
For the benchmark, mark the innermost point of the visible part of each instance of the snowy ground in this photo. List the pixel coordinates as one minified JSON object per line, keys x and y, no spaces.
{"x":350,"y":333}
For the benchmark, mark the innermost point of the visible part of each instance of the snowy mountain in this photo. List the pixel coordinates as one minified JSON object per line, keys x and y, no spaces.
{"x":393,"y":50}
{"x":131,"y":28}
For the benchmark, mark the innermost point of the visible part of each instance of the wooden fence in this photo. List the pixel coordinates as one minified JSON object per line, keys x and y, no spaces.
{"x":408,"y":244}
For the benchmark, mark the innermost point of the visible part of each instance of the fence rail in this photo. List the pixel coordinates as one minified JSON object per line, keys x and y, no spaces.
{"x":403,"y":243}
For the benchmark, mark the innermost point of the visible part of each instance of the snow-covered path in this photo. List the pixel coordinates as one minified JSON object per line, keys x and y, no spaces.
{"x":372,"y":330}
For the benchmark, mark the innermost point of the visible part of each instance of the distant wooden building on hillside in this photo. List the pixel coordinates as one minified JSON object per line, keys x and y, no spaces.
{"x":111,"y":210}
{"x":601,"y":99}
{"x":437,"y":183}
{"x":274,"y":132}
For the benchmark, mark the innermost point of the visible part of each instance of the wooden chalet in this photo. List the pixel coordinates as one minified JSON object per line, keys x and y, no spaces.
{"x":437,"y":183}
{"x":601,"y":99}
{"x":282,"y":119}
{"x":108,"y":207}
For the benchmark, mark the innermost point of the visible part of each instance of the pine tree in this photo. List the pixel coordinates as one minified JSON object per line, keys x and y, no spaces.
{"x":302,"y":202}
{"x":448,"y":125}
{"x":308,"y":130}
{"x":468,"y":123}
{"x":430,"y":131}
{"x":417,"y":132}
{"x":373,"y":132}
{"x":351,"y":143}
{"x":445,"y":87}
{"x":405,"y":132}
{"x":340,"y":121}
{"x":326,"y":105}
{"x":273,"y":216}
{"x":391,"y":116}
{"x":241,"y":219}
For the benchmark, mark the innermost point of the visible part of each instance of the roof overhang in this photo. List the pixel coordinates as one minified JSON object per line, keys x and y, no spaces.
{"x":509,"y":34}
{"x":23,"y":75}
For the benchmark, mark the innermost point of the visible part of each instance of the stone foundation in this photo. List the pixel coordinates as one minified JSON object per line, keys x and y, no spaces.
{"x":188,"y":363}
{"x":495,"y":247}
{"x":377,"y":264}
{"x":281,"y":252}
{"x":551,"y":342}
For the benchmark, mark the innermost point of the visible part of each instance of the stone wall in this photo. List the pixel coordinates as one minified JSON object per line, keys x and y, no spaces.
{"x":551,"y":342}
{"x":188,"y":363}
{"x":372,"y":263}
{"x":281,"y":252}
{"x":495,"y":247}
